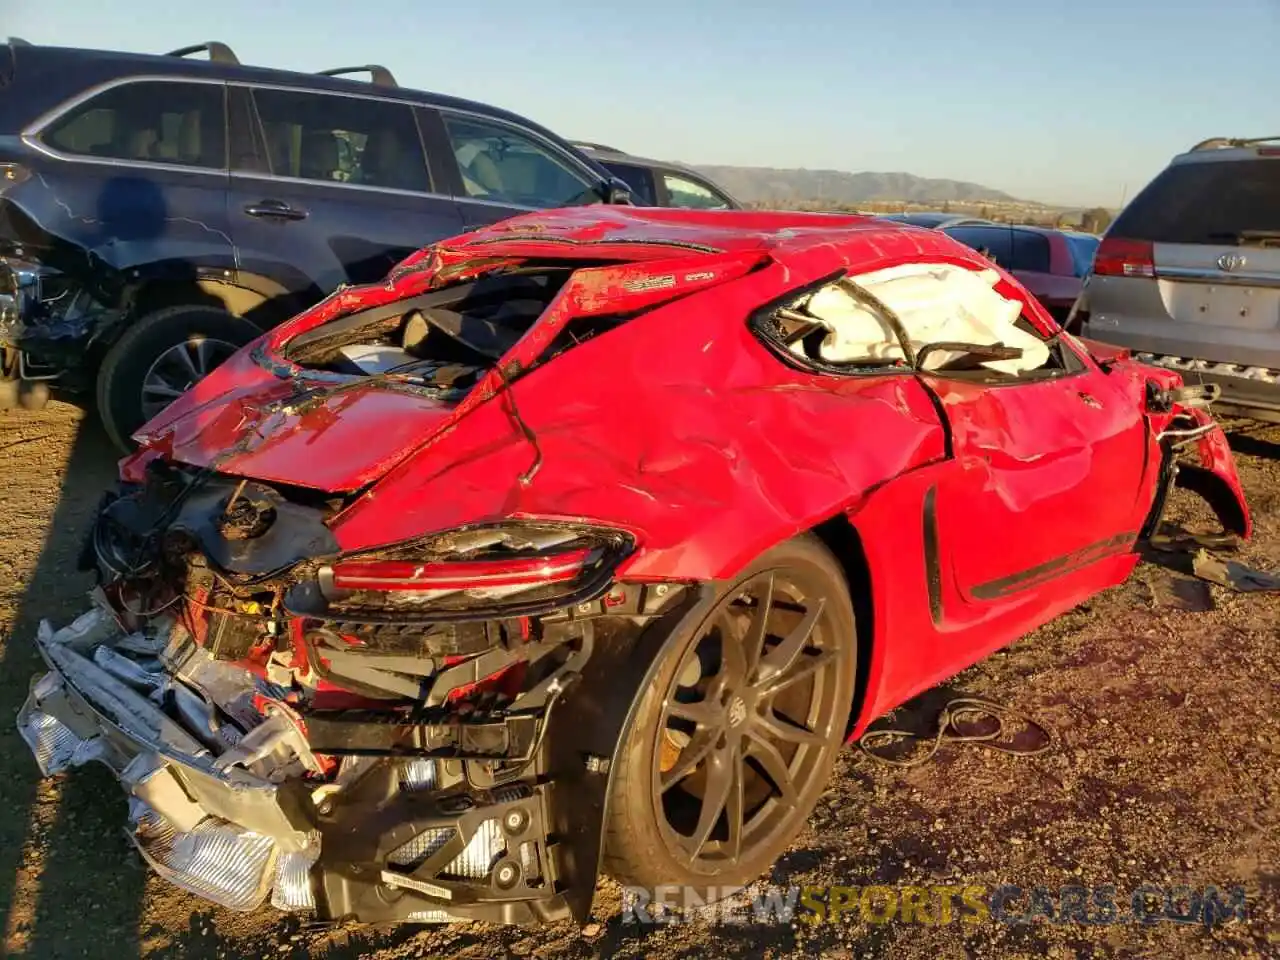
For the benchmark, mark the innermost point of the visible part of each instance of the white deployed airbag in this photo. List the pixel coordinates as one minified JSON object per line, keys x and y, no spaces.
{"x":935,"y":303}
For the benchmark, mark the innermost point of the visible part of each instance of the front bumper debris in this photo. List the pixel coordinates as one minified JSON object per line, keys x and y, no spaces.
{"x":224,"y":834}
{"x":238,"y":824}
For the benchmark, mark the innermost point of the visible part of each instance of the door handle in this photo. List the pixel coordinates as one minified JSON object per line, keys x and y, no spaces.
{"x":275,"y":210}
{"x":1089,"y":400}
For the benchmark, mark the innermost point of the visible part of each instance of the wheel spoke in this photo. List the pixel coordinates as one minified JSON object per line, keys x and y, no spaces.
{"x":775,"y":768}
{"x":779,"y":660}
{"x":806,"y":668}
{"x":702,"y":712}
{"x":733,"y":659}
{"x":735,"y":808}
{"x":690,"y":757}
{"x":158,"y":388}
{"x":722,"y":775}
{"x":754,"y":643}
{"x":185,"y":355}
{"x":785,"y":729}
{"x":202,"y":357}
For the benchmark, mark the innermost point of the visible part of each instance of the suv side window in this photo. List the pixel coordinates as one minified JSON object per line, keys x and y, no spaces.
{"x":500,"y":164}
{"x":639,"y":179}
{"x":336,"y":139}
{"x":683,"y":192}
{"x":147,"y":121}
{"x":1030,"y":252}
{"x":995,"y":242}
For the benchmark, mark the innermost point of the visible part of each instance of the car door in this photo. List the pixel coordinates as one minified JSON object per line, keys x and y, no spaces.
{"x":1049,"y":470}
{"x":133,"y":179}
{"x":329,"y":188}
{"x":497,"y":169}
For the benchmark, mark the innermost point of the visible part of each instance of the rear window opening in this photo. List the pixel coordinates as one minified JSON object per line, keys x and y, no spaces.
{"x":1212,"y":202}
{"x":446,"y":339}
{"x":936,"y":318}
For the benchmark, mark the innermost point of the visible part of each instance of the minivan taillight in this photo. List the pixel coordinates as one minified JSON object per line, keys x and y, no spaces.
{"x":1124,"y":258}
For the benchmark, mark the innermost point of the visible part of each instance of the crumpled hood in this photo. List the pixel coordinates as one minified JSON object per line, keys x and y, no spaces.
{"x":260,"y":415}
{"x":264,"y":434}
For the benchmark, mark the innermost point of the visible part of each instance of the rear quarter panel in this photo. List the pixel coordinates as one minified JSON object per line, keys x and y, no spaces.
{"x":679,"y":426}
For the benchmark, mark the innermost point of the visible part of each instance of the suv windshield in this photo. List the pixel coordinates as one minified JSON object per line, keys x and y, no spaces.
{"x":1208,"y":202}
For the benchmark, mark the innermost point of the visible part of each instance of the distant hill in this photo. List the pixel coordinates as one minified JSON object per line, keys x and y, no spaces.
{"x":771,"y":185}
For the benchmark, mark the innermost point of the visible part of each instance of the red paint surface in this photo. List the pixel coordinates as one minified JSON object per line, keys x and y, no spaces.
{"x":680,"y":427}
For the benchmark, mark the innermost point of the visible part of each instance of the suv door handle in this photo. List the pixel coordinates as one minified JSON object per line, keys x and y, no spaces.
{"x":275,"y":210}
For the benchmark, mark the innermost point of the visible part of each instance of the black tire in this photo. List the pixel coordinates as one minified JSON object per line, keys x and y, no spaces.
{"x":128,"y":362}
{"x":643,"y":845}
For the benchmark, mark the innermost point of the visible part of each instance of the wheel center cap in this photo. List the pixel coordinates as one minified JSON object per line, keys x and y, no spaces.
{"x":737,"y":711}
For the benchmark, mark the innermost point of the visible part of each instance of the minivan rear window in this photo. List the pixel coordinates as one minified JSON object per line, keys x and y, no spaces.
{"x":1210,"y":202}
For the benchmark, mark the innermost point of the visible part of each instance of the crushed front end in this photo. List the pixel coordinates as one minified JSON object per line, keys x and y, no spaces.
{"x":359,"y":736}
{"x":369,"y":627}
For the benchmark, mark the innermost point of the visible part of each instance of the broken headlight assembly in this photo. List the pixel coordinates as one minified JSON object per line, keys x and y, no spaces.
{"x":507,"y":569}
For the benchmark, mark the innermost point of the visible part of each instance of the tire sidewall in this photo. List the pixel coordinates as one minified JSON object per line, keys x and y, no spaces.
{"x":119,"y":388}
{"x":638,"y":850}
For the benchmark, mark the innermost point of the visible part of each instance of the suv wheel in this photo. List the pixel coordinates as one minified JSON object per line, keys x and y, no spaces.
{"x":160,"y":357}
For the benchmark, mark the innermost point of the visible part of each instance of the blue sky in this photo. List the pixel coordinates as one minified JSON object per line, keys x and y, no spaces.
{"x":1072,"y":102}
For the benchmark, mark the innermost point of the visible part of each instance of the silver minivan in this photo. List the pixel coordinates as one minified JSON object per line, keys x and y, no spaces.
{"x":1188,"y":276}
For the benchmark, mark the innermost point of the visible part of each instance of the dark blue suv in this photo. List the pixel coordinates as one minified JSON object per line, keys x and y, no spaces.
{"x":158,"y":212}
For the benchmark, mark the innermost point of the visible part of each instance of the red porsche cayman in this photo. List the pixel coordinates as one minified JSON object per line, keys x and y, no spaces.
{"x":583,"y":543}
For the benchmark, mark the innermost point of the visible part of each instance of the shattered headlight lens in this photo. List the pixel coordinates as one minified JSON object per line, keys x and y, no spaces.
{"x":225,"y":863}
{"x":293,"y":890}
{"x":510,"y":566}
{"x":53,"y":743}
{"x":216,"y":860}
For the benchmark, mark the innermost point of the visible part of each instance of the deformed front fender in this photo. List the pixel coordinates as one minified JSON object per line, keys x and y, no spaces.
{"x":1215,"y":477}
{"x":586,"y":731}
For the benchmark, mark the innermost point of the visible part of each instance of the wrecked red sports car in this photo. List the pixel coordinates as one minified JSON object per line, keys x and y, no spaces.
{"x":583,"y":543}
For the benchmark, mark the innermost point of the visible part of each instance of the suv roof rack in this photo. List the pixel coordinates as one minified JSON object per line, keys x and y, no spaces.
{"x":378,"y":74}
{"x":218,"y":52}
{"x":1220,"y":143}
{"x":588,"y":145}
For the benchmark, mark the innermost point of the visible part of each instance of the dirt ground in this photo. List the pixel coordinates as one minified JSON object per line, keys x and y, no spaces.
{"x":1164,"y":693}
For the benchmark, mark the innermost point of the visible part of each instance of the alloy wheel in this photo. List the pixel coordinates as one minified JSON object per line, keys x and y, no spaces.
{"x":749,"y":722}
